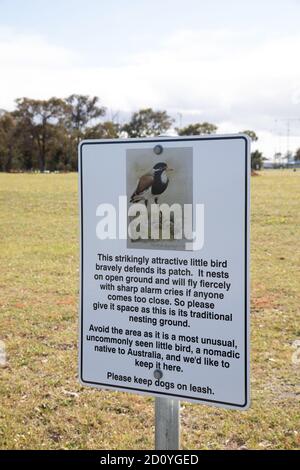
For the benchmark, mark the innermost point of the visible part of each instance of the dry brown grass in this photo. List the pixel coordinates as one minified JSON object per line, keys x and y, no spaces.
{"x":41,"y":403}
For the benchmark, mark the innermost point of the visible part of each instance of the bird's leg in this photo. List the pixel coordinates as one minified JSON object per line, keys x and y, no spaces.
{"x":160,"y":214}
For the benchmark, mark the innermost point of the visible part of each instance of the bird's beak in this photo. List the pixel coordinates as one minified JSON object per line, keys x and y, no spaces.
{"x":169,"y":169}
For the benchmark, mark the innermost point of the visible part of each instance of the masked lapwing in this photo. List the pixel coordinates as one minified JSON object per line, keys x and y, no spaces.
{"x":153,"y":183}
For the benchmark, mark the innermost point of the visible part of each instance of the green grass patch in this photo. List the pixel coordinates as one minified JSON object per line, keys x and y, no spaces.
{"x":42,"y":404}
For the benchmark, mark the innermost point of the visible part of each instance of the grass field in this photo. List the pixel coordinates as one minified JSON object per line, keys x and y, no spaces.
{"x":41,"y":403}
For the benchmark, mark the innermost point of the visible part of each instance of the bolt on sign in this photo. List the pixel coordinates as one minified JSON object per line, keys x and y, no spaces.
{"x":164,"y":305}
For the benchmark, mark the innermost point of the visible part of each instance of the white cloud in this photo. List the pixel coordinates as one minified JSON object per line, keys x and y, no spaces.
{"x":226,"y":77}
{"x":17,"y":51}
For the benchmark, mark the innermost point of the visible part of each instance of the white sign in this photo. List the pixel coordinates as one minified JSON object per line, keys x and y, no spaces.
{"x":164,"y":267}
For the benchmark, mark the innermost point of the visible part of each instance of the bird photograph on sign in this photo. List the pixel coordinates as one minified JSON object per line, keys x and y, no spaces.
{"x":159,"y":185}
{"x":154,"y":182}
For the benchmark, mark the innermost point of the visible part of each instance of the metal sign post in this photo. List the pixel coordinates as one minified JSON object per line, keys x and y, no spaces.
{"x":167,"y":424}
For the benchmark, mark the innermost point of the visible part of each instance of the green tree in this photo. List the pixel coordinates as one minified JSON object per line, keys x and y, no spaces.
{"x":147,"y":122}
{"x":256,"y":160}
{"x":251,"y":134}
{"x":81,"y":116}
{"x":257,"y":157}
{"x":297,"y":155}
{"x":199,"y":128}
{"x":40,"y":120}
{"x":8,"y":151}
{"x":103,"y":130}
{"x":82,"y":110}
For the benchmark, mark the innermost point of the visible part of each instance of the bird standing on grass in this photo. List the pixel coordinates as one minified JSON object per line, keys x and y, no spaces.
{"x":153,"y":183}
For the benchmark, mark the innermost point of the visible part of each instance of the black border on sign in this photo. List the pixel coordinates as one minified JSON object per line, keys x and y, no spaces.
{"x":155,"y":392}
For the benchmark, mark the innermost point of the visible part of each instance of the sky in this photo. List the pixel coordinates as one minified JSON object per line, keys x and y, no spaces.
{"x":233,"y":63}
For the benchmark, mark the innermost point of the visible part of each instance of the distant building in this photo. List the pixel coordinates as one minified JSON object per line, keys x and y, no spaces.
{"x":268,"y":164}
{"x":281,"y":161}
{"x":293,"y":164}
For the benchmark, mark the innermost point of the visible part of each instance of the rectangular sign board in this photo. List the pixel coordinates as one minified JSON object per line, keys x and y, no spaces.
{"x":164,"y":304}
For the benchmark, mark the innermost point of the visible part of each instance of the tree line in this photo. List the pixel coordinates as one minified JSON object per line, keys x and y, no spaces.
{"x":44,"y":134}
